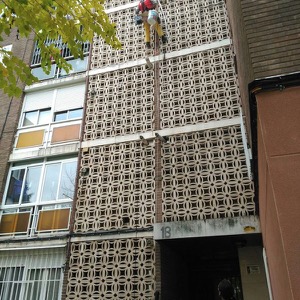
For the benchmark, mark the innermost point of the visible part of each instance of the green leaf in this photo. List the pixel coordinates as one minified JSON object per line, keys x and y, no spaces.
{"x":76,"y":21}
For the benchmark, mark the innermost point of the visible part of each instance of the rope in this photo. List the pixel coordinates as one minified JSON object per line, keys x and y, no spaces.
{"x":163,"y":18}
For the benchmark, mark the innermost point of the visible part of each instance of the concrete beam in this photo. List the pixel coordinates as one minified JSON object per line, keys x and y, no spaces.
{"x":207,"y":228}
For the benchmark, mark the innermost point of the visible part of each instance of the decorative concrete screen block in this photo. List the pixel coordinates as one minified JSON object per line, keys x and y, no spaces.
{"x":198,"y":88}
{"x":116,"y":188}
{"x":193,"y":23}
{"x":205,"y":176}
{"x":119,"y":103}
{"x":186,"y":23}
{"x":112,"y":269}
{"x":115,"y":3}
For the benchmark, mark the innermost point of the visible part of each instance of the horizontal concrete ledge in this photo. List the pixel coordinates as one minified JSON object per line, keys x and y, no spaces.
{"x":33,"y":244}
{"x":161,"y":57}
{"x":163,"y":132}
{"x":121,"y":235}
{"x":122,"y":7}
{"x":30,"y":153}
{"x":207,"y":228}
{"x":57,"y":82}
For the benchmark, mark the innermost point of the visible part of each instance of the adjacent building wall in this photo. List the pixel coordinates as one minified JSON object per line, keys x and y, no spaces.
{"x":279,"y":170}
{"x":266,"y":40}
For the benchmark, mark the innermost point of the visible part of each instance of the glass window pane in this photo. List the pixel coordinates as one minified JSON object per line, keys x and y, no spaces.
{"x":67,"y":183}
{"x":11,"y":280}
{"x":44,"y":116}
{"x":34,"y":284}
{"x":41,"y":75}
{"x":53,"y":280}
{"x":15,"y":186}
{"x":30,"y":118}
{"x":75,"y":113}
{"x":60,"y":116}
{"x":50,"y":185}
{"x":31,"y":185}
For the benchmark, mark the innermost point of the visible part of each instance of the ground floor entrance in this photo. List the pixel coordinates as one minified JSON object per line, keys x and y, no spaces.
{"x":191,"y":268}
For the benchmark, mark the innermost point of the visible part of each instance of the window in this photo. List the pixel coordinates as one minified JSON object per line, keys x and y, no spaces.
{"x":78,"y":65}
{"x":68,"y":114}
{"x":37,"y":117}
{"x":31,"y":274}
{"x":53,"y":181}
{"x":38,"y":198}
{"x":10,"y":282}
{"x":59,"y":181}
{"x":20,"y":283}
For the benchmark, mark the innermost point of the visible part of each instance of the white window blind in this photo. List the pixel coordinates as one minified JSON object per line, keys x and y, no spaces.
{"x":70,"y":97}
{"x":38,"y":100}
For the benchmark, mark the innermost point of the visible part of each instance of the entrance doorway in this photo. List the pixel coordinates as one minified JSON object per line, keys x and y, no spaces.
{"x":191,"y":268}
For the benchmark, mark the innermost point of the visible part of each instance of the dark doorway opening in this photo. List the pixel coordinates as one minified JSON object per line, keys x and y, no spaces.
{"x":191,"y":268}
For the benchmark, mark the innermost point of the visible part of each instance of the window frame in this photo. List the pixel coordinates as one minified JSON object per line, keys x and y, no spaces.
{"x":23,"y":276}
{"x":68,"y":115}
{"x":61,"y":208}
{"x":41,"y":183}
{"x":49,"y":109}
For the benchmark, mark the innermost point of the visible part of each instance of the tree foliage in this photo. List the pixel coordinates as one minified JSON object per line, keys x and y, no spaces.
{"x":74,"y":21}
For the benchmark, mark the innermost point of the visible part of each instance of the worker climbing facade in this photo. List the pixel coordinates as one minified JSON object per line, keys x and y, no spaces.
{"x":147,"y":11}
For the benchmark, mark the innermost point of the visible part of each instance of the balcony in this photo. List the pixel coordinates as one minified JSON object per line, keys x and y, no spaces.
{"x":33,"y":221}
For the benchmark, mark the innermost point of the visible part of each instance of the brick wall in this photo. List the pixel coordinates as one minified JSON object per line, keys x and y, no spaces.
{"x":273,"y":30}
{"x":10,"y":107}
{"x":266,"y":40}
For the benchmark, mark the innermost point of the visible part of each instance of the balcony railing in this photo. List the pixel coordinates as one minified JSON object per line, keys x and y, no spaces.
{"x":78,"y":65}
{"x":45,"y":136}
{"x":30,"y":221}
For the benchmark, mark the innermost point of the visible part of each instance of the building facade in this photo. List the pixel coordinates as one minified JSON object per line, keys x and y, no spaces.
{"x":132,"y":178}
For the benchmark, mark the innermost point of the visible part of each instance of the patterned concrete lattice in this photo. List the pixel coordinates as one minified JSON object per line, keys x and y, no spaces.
{"x":198,"y":88}
{"x":116,"y":188}
{"x":119,"y":103}
{"x":205,"y":176}
{"x":187,"y":24}
{"x":195,"y":88}
{"x":112,"y":269}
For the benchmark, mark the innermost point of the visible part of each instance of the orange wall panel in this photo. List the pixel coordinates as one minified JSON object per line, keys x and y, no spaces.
{"x":278,"y":130}
{"x":53,"y":219}
{"x":65,"y":133}
{"x":30,"y":139}
{"x":11,"y":223}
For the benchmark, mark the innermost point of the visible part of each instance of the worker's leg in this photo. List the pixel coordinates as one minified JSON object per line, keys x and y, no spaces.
{"x":147,"y":32}
{"x":160,"y":32}
{"x":158,"y":29}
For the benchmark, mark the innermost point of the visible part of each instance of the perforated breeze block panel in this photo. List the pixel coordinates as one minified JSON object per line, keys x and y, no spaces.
{"x":193,"y":89}
{"x":186,"y":23}
{"x":119,"y":103}
{"x":198,"y":88}
{"x":205,"y":176}
{"x":118,"y":188}
{"x":112,"y":269}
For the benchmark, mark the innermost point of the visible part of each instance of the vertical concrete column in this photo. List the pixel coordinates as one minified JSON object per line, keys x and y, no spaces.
{"x":158,"y":175}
